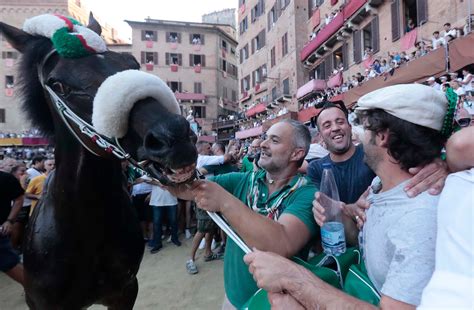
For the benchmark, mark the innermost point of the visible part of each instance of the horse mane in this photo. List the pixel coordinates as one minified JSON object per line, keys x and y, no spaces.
{"x":33,"y":98}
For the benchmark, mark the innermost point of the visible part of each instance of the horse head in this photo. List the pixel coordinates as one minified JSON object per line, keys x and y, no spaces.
{"x":109,"y":106}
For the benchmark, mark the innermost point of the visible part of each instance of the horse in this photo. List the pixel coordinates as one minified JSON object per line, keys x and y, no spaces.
{"x":84,"y":244}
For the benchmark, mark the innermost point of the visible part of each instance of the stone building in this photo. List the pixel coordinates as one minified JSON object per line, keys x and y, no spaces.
{"x":226,"y":17}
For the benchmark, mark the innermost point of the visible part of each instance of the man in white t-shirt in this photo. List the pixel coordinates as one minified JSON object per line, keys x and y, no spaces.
{"x":163,"y":201}
{"x":432,"y":83}
{"x":453,"y":279}
{"x":448,"y":31}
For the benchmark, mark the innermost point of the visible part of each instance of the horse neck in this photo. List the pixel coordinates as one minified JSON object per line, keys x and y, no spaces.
{"x":80,"y":175}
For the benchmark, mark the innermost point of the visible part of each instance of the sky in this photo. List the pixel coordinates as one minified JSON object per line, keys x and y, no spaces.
{"x":115,"y":11}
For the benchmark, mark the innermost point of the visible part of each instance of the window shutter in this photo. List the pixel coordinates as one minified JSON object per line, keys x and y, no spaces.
{"x":345,"y":55}
{"x":179,"y":37}
{"x":253,"y":78}
{"x":269,"y":21}
{"x":357,"y":38}
{"x":421,"y":11}
{"x":241,"y":55}
{"x":202,"y":39}
{"x":142,"y":58}
{"x":191,"y":60}
{"x":253,"y":46}
{"x":252,"y":13}
{"x":167,"y":59}
{"x":180,"y":87}
{"x":155,"y":58}
{"x":262,"y":38}
{"x":191,"y":38}
{"x":330,"y":65}
{"x":203,"y":60}
{"x":395,"y":20}
{"x":375,"y":34}
{"x":242,"y":85}
{"x":143,"y":35}
{"x":155,"y":36}
{"x":180,"y":59}
{"x":167,"y":37}
{"x":310,"y":8}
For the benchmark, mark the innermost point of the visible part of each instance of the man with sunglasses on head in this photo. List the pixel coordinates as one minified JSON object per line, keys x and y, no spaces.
{"x":353,"y":176}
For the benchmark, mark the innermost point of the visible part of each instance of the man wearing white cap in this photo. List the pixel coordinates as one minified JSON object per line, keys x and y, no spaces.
{"x":402,"y":129}
{"x":432,"y":83}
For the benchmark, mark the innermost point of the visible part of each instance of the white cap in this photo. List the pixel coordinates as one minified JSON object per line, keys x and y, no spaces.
{"x":415,"y":103}
{"x":430,"y":79}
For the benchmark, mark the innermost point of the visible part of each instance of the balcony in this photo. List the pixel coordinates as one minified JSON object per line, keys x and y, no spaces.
{"x":225,"y":136}
{"x":305,"y":115}
{"x":259,"y":108}
{"x":223,"y":124}
{"x":174,"y":68}
{"x":309,"y":88}
{"x":149,"y":66}
{"x":247,"y":133}
{"x":330,"y":29}
{"x":190,"y":97}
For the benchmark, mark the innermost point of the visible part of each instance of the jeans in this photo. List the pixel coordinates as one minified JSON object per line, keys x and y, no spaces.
{"x":157,"y":223}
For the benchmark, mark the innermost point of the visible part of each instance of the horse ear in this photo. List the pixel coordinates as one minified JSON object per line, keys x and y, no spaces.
{"x":16,"y":37}
{"x":94,"y":24}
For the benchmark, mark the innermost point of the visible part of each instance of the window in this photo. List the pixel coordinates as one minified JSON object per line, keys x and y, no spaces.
{"x":232,"y":50}
{"x":224,"y":65}
{"x":2,"y":115}
{"x":243,"y":25}
{"x":234,"y":96}
{"x":224,"y":45}
{"x":366,"y":38}
{"x":258,"y":42}
{"x":9,"y":81}
{"x":272,"y":17}
{"x":149,"y":35}
{"x":175,"y":86}
{"x":286,"y":86}
{"x":284,"y":44}
{"x":174,"y":59}
{"x":274,"y":93}
{"x":197,"y":87}
{"x":232,"y":69}
{"x":9,"y":55}
{"x":257,"y":10}
{"x":245,"y":84}
{"x":196,"y":38}
{"x":284,"y":4}
{"x":313,"y":5}
{"x":174,"y":37}
{"x":338,"y":59}
{"x":199,"y":111}
{"x":150,"y":58}
{"x":272,"y":57}
{"x":196,"y":59}
{"x":244,"y":53}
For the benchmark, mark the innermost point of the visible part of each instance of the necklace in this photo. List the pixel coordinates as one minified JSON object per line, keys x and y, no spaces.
{"x":272,"y":181}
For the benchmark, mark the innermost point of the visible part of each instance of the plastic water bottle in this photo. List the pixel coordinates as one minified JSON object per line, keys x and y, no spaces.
{"x":332,"y":232}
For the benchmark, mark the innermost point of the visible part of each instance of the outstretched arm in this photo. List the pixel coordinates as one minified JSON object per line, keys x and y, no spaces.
{"x":460,"y":150}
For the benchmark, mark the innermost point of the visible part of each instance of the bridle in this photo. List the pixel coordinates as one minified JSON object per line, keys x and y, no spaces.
{"x":99,"y":143}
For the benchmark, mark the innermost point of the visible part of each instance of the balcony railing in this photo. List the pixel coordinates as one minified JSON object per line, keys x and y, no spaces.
{"x":223,"y":124}
{"x":330,"y":29}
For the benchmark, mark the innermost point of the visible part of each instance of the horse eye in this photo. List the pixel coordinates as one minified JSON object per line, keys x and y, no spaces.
{"x":61,"y":89}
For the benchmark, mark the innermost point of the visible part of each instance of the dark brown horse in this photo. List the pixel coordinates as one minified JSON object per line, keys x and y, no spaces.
{"x":84,"y":243}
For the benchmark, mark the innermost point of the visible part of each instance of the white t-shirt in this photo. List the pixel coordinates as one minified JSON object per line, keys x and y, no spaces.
{"x":452,"y":284}
{"x":460,"y":91}
{"x":142,"y":188}
{"x":316,"y":151}
{"x":161,"y":197}
{"x":437,"y":42}
{"x":399,"y":239}
{"x":467,"y":82}
{"x":436,"y":86}
{"x":207,"y":160}
{"x":451,"y":32}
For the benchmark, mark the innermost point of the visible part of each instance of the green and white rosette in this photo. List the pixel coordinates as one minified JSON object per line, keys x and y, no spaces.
{"x":69,"y":37}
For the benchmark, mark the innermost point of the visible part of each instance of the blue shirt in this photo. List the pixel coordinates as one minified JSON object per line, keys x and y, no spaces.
{"x":352,"y":176}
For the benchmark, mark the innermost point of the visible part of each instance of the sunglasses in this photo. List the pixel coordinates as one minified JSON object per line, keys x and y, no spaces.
{"x":464,"y":122}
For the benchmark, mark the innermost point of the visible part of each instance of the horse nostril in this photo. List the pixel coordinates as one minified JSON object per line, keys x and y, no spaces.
{"x":153,"y":143}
